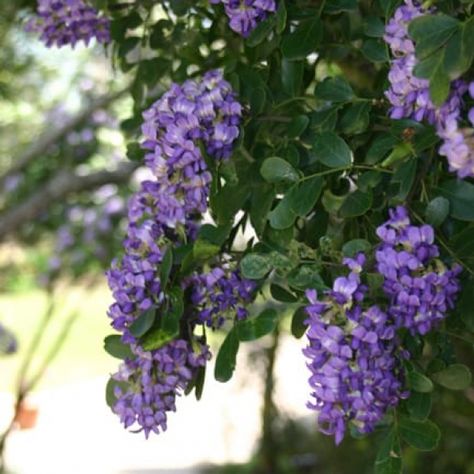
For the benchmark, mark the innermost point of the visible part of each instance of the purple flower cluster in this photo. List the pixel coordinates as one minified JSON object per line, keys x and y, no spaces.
{"x":245,"y":15}
{"x":63,"y":22}
{"x":409,"y":95}
{"x":195,"y":117}
{"x":8,"y":344}
{"x":197,"y":112}
{"x":219,"y":295}
{"x":355,"y":355}
{"x":86,"y":235}
{"x":420,"y":288}
{"x":355,"y":372}
{"x":152,"y":383}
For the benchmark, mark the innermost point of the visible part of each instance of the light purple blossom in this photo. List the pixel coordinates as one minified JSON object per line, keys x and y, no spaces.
{"x":68,"y":22}
{"x":220,"y":294}
{"x":420,"y":287}
{"x":354,"y":357}
{"x":245,"y":15}
{"x":152,"y":382}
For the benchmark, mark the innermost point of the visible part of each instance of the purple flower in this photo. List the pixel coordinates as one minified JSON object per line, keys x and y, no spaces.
{"x":245,"y":15}
{"x":354,"y":358}
{"x":63,"y":22}
{"x":152,"y":381}
{"x":420,"y":288}
{"x":219,"y":295}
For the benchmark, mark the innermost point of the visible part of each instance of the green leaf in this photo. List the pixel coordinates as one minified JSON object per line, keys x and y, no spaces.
{"x":332,"y":150}
{"x":459,"y":52}
{"x":255,"y":266}
{"x":405,"y":176}
{"x":306,"y":276}
{"x":275,"y":170}
{"x":156,"y":338}
{"x":282,"y":216}
{"x":440,"y":85}
{"x":374,"y":27}
{"x":356,"y":119}
{"x":419,"y":405}
{"x":422,"y":435}
{"x":303,"y":40}
{"x":261,"y":204}
{"x":303,"y":196}
{"x":460,"y":195}
{"x":114,"y":346}
{"x":204,"y":250}
{"x":431,"y":32}
{"x":143,"y":323}
{"x":389,"y":460}
{"x":166,"y":265}
{"x":297,"y":126}
{"x":436,"y":211}
{"x":261,"y":32}
{"x":281,"y":294}
{"x":281,"y":17}
{"x":226,"y":357}
{"x":292,"y":76}
{"x":334,"y":89}
{"x":255,"y":328}
{"x":419,"y":382}
{"x":110,"y":397}
{"x":454,"y":377}
{"x":375,"y":51}
{"x":353,"y":247}
{"x":298,"y":326}
{"x":356,"y":204}
{"x":333,"y":7}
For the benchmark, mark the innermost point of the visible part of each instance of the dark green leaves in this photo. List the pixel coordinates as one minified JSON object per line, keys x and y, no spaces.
{"x":422,"y":435}
{"x":389,"y":459}
{"x":255,"y":266}
{"x":255,"y":328}
{"x":334,"y":89}
{"x":431,"y":32}
{"x":356,"y":204}
{"x":332,"y":150}
{"x":303,"y":40}
{"x":454,"y":377}
{"x":114,"y":346}
{"x":226,"y":357}
{"x":460,"y":195}
{"x":298,"y":326}
{"x":419,"y":382}
{"x":303,"y":196}
{"x":437,"y":211}
{"x":276,"y":169}
{"x":443,"y":49}
{"x":143,"y":323}
{"x":419,"y":405}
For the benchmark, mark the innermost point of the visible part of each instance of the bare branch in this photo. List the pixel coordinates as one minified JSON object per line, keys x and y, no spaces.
{"x":44,"y":142}
{"x":64,"y":183}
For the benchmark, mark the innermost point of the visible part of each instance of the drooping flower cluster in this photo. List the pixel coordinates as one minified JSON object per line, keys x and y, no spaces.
{"x":199,"y":116}
{"x":220,"y":294}
{"x":152,"y":383}
{"x":355,"y":372}
{"x":409,"y":95}
{"x":355,"y":355}
{"x":420,"y":287}
{"x":68,"y":22}
{"x":245,"y":15}
{"x":8,"y":344}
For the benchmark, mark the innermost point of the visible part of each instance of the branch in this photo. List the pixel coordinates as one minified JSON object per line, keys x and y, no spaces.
{"x":64,"y":183}
{"x":44,"y":142}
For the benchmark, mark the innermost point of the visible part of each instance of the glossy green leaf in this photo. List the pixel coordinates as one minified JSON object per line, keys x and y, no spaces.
{"x":437,"y":211}
{"x":419,"y":405}
{"x":422,"y":435}
{"x":143,"y":323}
{"x":226,"y":357}
{"x":303,"y":196}
{"x":334,"y":89}
{"x":353,"y":247}
{"x":298,"y":326}
{"x":303,"y":40}
{"x":389,"y":460}
{"x":275,"y":169}
{"x":114,"y":346}
{"x":281,"y":294}
{"x":254,"y":328}
{"x":255,"y":266}
{"x":460,"y":195}
{"x":419,"y":382}
{"x":332,"y":150}
{"x":356,"y":204}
